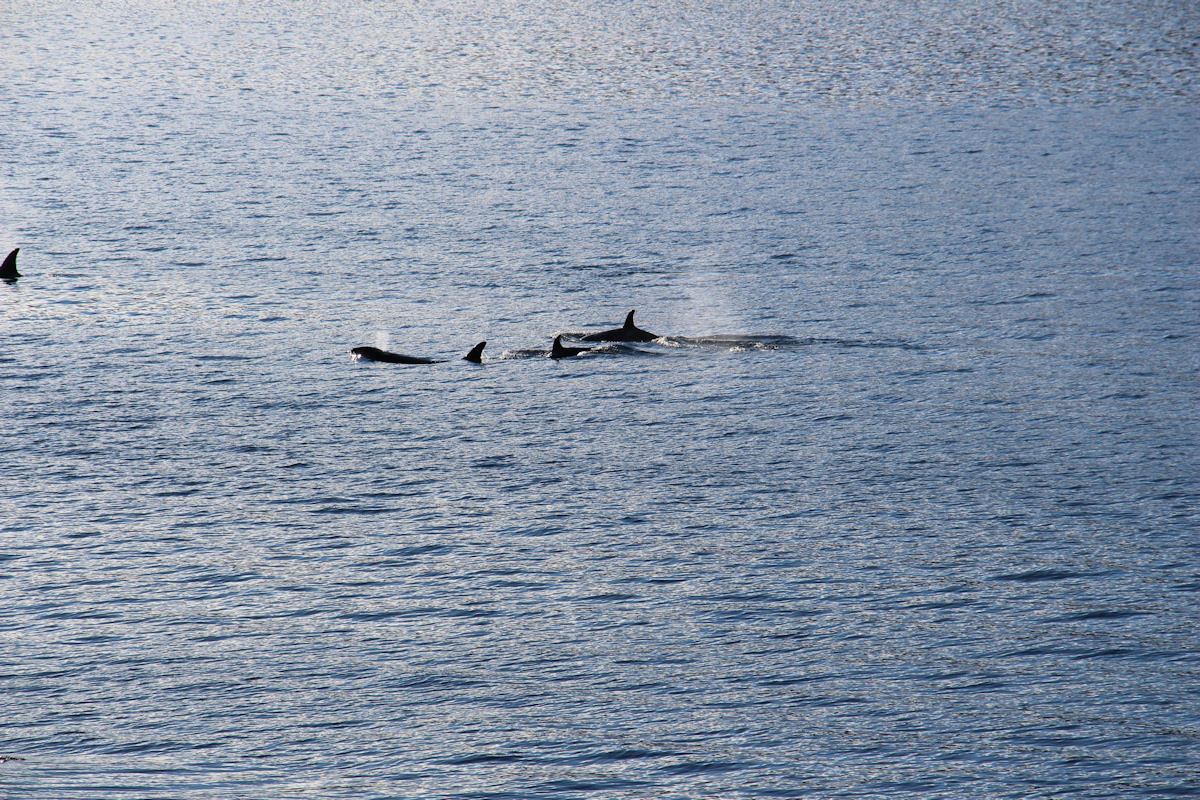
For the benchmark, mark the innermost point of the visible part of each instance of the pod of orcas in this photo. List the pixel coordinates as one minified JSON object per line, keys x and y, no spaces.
{"x":626,"y":333}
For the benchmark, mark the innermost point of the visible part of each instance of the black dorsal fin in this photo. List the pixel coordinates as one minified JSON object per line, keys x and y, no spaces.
{"x":629,"y":321}
{"x":560,"y":350}
{"x":8,"y":270}
{"x":476,"y":354}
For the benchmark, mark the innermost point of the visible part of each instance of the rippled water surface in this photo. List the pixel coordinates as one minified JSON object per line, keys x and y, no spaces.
{"x":901,"y":503}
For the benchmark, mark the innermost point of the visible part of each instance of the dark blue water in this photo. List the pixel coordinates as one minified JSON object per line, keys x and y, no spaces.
{"x":902,"y":502}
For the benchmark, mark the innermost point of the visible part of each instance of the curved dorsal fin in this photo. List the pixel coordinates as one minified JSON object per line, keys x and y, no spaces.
{"x":8,"y":270}
{"x":476,"y":354}
{"x":629,"y":321}
{"x":560,"y":350}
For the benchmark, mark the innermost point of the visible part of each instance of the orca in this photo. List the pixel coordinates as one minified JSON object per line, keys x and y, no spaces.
{"x":558,"y":350}
{"x":476,"y":354}
{"x":8,"y":270}
{"x":375,"y":354}
{"x":626,"y":333}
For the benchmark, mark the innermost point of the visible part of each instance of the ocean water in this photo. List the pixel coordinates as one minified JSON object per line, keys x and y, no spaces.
{"x":901,"y":504}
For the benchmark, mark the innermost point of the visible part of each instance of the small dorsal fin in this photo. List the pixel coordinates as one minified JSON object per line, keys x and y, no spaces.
{"x":560,"y":350}
{"x":629,"y":321}
{"x":8,"y":270}
{"x":476,"y":354}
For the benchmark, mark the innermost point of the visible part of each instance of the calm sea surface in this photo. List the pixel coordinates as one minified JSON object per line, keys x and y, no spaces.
{"x":903,"y":504}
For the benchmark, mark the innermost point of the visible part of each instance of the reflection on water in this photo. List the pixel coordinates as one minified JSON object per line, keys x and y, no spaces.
{"x":351,"y":53}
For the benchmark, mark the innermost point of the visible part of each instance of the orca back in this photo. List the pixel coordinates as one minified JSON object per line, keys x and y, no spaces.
{"x":559,"y":350}
{"x":375,"y":354}
{"x":626,"y":333}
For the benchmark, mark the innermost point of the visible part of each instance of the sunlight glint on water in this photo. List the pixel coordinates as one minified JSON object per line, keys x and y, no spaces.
{"x":901,"y":505}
